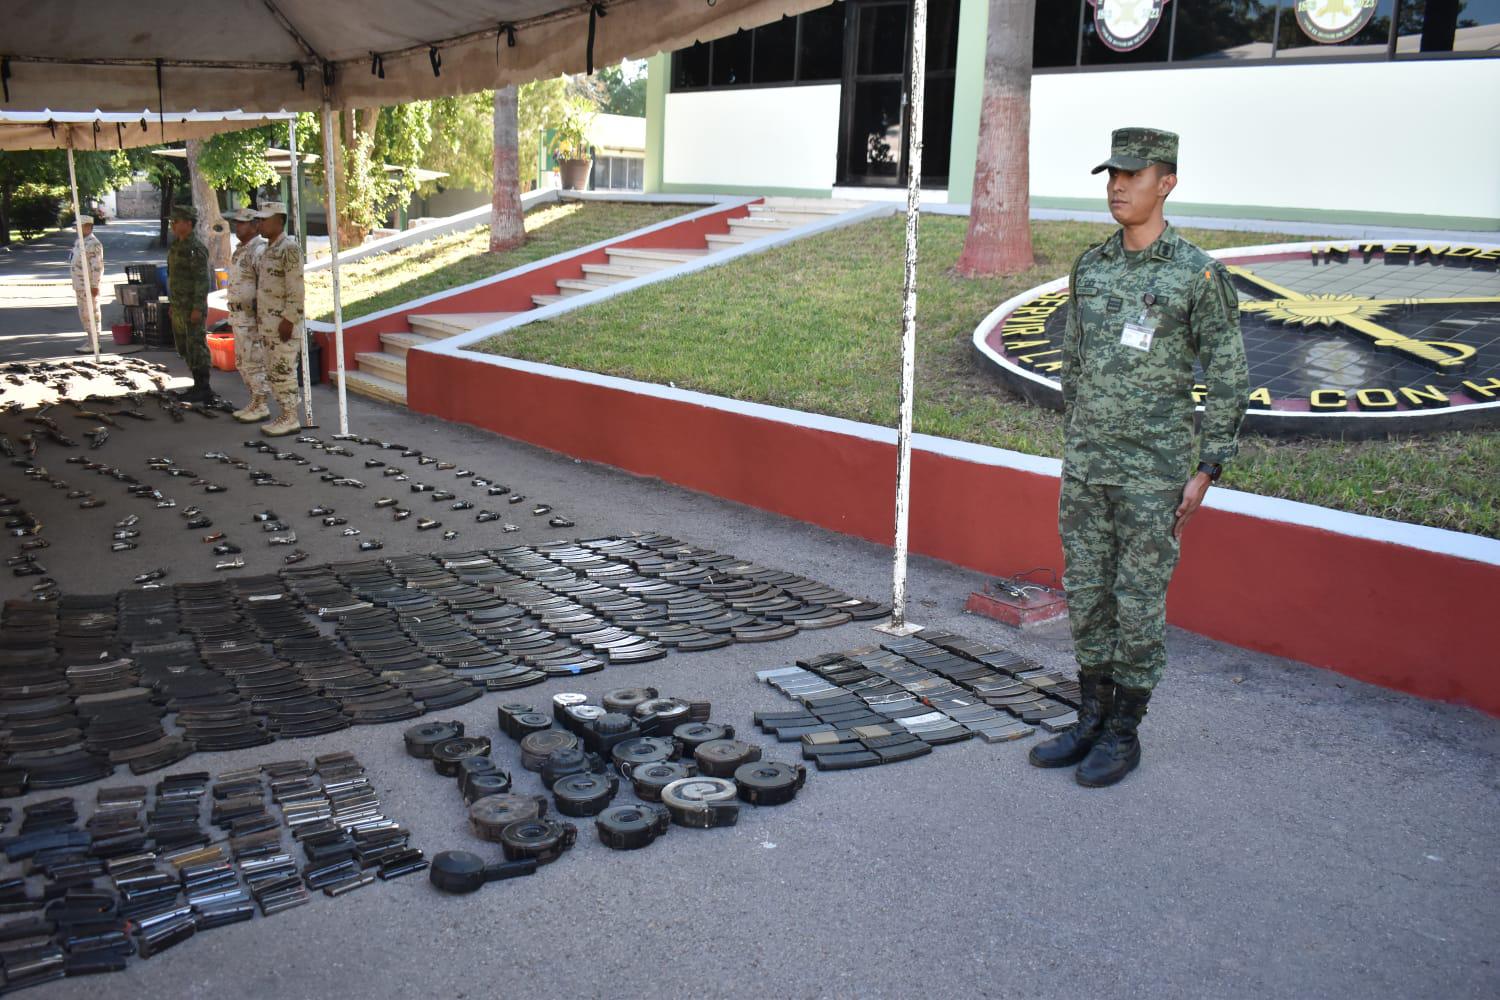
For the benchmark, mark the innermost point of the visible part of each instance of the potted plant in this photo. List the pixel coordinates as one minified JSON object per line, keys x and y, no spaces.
{"x":570,"y":145}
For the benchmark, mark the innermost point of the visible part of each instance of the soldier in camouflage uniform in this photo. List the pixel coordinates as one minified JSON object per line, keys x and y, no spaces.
{"x":187,"y":286}
{"x":278,"y":305}
{"x":249,"y":345}
{"x":93,"y":253}
{"x":1143,"y":307}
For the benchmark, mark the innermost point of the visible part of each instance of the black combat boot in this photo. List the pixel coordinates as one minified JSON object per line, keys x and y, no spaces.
{"x":1118,"y":751}
{"x":1072,"y":745}
{"x":201,"y":392}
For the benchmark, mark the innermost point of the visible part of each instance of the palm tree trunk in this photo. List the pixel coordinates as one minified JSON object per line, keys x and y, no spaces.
{"x":999,"y":237}
{"x":212,"y":229}
{"x":507,"y":223}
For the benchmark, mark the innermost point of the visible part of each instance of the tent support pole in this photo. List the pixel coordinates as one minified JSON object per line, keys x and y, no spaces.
{"x":81,"y":254}
{"x":898,"y":625}
{"x":330,"y":164}
{"x":296,"y":181}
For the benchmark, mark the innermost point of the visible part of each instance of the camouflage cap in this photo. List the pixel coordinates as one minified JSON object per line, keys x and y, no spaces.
{"x":1137,"y":148}
{"x":185,"y":213}
{"x":270,"y":208}
{"x":241,"y":215}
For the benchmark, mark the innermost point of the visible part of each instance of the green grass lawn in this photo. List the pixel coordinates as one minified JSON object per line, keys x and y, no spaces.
{"x":816,"y":326}
{"x":384,"y":280}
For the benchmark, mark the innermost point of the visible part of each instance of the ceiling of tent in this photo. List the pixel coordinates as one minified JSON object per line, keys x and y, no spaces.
{"x":103,"y":131}
{"x":80,"y":55}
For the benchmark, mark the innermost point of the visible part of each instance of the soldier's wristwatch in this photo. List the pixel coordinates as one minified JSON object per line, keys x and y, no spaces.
{"x":1213,"y":470}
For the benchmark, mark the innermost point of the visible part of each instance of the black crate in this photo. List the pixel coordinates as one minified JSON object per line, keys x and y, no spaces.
{"x":141,"y":274}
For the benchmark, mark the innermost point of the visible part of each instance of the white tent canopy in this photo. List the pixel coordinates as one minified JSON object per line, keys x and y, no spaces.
{"x":116,"y":130}
{"x":277,"y":54}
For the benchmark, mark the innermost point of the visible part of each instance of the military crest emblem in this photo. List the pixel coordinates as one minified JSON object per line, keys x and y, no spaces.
{"x":1124,"y":25}
{"x":1329,"y":22}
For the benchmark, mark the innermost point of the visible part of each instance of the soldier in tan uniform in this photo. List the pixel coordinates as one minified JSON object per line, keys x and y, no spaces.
{"x":249,"y":346}
{"x":278,"y":307}
{"x":93,"y":252}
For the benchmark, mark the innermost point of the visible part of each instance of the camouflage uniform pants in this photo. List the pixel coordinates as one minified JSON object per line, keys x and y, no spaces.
{"x":1120,"y":556}
{"x":250,"y":357}
{"x":83,"y":310}
{"x":189,"y":339}
{"x":281,"y":359}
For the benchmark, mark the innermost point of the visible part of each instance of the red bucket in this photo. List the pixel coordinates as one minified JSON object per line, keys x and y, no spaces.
{"x":122,"y":333}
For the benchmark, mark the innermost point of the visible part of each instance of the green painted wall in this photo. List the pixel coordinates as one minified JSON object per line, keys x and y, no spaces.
{"x":968,"y":89}
{"x":658,"y":70}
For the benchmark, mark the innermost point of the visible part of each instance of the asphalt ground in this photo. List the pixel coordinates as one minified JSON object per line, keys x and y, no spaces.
{"x":1291,"y":833}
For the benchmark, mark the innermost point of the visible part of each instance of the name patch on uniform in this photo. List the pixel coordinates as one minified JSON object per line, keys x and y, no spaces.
{"x":1138,"y":335}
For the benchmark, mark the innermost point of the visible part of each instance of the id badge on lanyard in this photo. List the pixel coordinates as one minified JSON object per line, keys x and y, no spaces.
{"x":1140,"y":332}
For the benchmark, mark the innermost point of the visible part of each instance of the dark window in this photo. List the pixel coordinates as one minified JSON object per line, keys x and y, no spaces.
{"x":1199,"y":31}
{"x":690,"y":67}
{"x":776,"y":51}
{"x":808,"y":48}
{"x":1209,"y":30}
{"x":732,"y":59}
{"x":1055,"y":41}
{"x":1293,"y":42}
{"x":1448,"y":26}
{"x":882,"y":40}
{"x":937,"y":130}
{"x":1154,"y":49}
{"x":820,"y":51}
{"x":942,"y":35}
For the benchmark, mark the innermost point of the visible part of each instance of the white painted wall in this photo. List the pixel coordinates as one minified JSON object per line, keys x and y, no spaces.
{"x":776,"y":137}
{"x":1413,"y":137}
{"x":1420,"y":138}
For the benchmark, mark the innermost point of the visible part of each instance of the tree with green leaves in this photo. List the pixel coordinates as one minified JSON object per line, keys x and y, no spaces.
{"x":236,"y":161}
{"x":368,"y":142}
{"x":624,"y":89}
{"x":34,"y":186}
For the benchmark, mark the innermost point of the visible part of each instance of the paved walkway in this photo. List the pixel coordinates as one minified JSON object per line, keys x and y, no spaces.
{"x":38,"y":314}
{"x":1291,"y":833}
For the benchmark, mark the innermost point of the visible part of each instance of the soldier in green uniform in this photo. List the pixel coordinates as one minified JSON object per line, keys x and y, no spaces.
{"x":1144,"y":306}
{"x":187,"y":287}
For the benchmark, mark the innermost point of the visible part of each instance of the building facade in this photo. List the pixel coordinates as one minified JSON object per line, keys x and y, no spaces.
{"x":1377,"y":111}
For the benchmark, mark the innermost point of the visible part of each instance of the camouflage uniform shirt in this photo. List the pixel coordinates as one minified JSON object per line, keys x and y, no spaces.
{"x":187,"y":275}
{"x":243,"y":265}
{"x":93,"y":251}
{"x":279,"y":293}
{"x":1128,"y":411}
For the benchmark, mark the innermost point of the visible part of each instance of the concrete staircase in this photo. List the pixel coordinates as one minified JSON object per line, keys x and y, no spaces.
{"x":382,"y":374}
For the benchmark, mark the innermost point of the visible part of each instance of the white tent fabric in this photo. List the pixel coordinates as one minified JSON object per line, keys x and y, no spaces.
{"x":115,"y":130}
{"x":82,"y":54}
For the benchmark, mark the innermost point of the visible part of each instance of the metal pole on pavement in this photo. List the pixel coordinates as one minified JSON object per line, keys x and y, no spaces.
{"x":296,"y":180}
{"x":80,"y":253}
{"x":898,"y":624}
{"x":329,"y":166}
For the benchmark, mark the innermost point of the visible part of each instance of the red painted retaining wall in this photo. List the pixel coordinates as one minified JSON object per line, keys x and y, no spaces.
{"x":513,"y":294}
{"x":1389,"y":614}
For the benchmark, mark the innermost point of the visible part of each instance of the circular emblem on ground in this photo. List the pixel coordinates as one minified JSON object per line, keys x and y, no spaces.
{"x":1351,"y":339}
{"x":1124,"y":25}
{"x":1333,"y":21}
